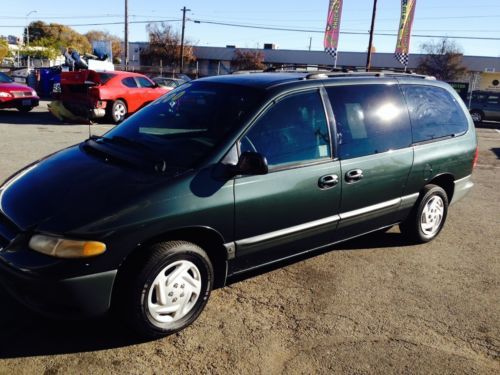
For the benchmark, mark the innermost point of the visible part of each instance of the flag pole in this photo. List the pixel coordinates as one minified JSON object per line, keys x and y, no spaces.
{"x":370,"y":43}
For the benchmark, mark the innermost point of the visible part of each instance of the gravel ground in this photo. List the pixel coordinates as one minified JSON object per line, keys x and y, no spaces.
{"x":372,"y":305}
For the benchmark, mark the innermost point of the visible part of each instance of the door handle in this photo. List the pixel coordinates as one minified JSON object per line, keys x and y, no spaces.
{"x":328,"y":181}
{"x":354,"y":175}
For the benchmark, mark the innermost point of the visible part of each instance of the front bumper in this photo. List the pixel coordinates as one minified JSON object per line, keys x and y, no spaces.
{"x":76,"y":297}
{"x":19,"y":102}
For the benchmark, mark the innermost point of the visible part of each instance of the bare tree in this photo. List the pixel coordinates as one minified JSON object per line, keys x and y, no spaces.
{"x":248,"y":60}
{"x":443,"y":59}
{"x":165,"y":46}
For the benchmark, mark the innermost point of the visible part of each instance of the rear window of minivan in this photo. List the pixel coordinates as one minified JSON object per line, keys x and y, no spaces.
{"x":434,"y":113}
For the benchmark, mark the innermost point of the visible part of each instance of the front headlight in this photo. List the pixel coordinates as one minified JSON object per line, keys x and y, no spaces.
{"x":64,"y":248}
{"x":33,"y":93}
{"x":4,"y":94}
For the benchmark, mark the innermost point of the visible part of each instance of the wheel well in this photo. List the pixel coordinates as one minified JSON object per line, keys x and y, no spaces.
{"x":208,"y":239}
{"x":447,"y":182}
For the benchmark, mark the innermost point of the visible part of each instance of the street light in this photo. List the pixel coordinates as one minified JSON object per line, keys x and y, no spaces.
{"x":28,"y":35}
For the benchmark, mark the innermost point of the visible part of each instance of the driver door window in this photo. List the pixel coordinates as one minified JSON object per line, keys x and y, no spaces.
{"x":293,"y":131}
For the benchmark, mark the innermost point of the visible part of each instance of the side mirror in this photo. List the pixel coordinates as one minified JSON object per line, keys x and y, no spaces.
{"x":250,"y":163}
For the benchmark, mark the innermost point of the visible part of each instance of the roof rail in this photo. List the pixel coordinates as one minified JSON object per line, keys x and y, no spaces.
{"x":382,"y":74}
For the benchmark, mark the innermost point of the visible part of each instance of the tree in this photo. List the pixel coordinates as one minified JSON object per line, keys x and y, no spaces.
{"x":443,"y":59}
{"x":57,"y":36}
{"x":4,"y":49}
{"x":165,"y":46}
{"x":116,"y":42}
{"x":248,"y":60}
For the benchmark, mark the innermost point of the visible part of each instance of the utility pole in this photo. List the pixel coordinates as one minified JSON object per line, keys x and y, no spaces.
{"x":126,"y":35}
{"x":310,"y":42}
{"x":184,"y":10}
{"x":370,"y":43}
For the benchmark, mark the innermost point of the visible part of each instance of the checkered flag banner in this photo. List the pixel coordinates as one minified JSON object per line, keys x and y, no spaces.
{"x":402,"y":58}
{"x":332,"y":30}
{"x":331,"y":51}
{"x":405,"y":24}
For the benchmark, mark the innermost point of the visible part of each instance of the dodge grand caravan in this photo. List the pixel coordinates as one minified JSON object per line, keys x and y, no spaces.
{"x":224,"y":175}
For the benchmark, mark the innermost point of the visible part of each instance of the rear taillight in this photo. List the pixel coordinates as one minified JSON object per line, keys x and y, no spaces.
{"x":94,"y":93}
{"x":476,"y":156}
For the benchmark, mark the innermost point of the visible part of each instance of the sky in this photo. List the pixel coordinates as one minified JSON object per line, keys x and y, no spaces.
{"x":464,"y":18}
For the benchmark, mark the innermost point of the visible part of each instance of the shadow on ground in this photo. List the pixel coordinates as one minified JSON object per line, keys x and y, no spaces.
{"x":36,"y":118}
{"x":24,"y":333}
{"x":488,"y":125}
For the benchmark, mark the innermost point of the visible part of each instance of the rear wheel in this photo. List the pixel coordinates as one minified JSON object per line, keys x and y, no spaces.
{"x":118,"y":111}
{"x":165,"y":291}
{"x":428,"y":216}
{"x":477,"y":116}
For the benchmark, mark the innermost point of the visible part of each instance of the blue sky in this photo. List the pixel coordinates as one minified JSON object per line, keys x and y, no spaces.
{"x":471,"y":18}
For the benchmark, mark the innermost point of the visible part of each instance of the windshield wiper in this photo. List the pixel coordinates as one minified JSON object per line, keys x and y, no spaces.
{"x":159,"y":164}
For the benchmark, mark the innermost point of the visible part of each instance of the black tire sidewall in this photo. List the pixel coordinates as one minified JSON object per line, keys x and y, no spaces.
{"x":145,"y":322}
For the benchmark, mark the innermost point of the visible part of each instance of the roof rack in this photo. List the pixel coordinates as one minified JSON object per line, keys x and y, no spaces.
{"x":351,"y":73}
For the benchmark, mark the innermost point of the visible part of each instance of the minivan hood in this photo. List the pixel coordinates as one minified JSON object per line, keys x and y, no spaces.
{"x":71,"y":189}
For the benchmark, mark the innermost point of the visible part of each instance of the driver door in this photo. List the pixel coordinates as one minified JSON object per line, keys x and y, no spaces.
{"x":294,"y":207}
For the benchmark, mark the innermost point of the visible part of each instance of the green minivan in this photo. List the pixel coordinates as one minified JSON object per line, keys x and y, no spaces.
{"x":224,"y":175}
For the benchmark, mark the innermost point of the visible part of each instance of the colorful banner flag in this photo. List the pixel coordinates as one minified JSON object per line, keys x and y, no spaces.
{"x":333,"y":28}
{"x":403,"y":42}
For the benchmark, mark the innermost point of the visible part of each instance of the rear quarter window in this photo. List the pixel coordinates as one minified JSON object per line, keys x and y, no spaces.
{"x":434,"y":113}
{"x":129,"y":82}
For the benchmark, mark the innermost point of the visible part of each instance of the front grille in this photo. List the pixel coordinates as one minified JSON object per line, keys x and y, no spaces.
{"x":21,"y":94}
{"x":8,"y":231}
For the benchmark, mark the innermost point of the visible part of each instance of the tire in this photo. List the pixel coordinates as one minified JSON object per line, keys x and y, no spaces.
{"x":428,"y":215}
{"x":118,"y":111}
{"x":25,"y":109}
{"x":477,"y":116}
{"x":153,"y":300}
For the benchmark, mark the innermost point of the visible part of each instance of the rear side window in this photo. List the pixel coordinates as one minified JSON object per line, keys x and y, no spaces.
{"x":434,"y":112}
{"x":129,"y":82}
{"x":370,"y":119}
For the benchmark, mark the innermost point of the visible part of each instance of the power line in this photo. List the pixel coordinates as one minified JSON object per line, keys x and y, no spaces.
{"x":101,"y":24}
{"x":342,"y":32}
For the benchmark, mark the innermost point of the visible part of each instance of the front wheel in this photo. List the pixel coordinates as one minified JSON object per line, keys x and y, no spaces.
{"x":118,"y":111}
{"x":428,"y":216}
{"x":477,"y":116}
{"x":167,"y":290}
{"x":25,"y":109}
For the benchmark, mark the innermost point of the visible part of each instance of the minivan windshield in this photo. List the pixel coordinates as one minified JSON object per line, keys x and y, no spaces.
{"x":185,"y":125}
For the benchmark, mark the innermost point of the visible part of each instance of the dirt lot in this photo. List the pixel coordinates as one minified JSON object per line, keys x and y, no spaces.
{"x":372,"y":305}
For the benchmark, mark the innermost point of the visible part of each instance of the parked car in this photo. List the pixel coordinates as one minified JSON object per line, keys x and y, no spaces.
{"x":485,"y":105}
{"x":16,"y":95}
{"x":170,"y":83}
{"x":225,"y":175}
{"x":115,"y":94}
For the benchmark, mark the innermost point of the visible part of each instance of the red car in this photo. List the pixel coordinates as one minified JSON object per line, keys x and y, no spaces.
{"x":115,"y":94}
{"x":15,"y":95}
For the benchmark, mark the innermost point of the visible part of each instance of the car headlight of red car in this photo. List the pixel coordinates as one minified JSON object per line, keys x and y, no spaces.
{"x":4,"y":94}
